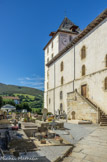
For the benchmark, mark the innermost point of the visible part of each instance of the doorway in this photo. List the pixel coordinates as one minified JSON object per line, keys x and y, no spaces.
{"x":73,"y":114}
{"x":84,"y":90}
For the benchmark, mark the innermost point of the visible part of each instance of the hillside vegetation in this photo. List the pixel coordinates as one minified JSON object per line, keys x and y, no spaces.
{"x":29,"y":97}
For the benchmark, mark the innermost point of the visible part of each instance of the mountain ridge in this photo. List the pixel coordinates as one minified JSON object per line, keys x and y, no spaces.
{"x":11,"y":89}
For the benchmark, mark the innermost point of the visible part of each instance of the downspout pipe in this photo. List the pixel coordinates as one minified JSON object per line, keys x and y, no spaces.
{"x":54,"y":88}
{"x":74,"y":71}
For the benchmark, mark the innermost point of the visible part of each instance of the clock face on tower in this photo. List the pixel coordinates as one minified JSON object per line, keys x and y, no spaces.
{"x":63,"y":41}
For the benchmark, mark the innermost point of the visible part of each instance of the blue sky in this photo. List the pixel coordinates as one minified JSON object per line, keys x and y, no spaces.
{"x":24,"y":31}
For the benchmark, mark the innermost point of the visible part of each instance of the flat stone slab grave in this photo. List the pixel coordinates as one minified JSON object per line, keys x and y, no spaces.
{"x":53,"y":152}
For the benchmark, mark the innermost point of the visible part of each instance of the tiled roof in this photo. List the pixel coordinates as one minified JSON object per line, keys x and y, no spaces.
{"x":11,"y":97}
{"x":8,"y":106}
{"x":66,"y":27}
{"x":66,"y":24}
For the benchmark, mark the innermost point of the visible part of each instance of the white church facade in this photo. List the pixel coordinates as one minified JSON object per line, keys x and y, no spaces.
{"x":76,"y":70}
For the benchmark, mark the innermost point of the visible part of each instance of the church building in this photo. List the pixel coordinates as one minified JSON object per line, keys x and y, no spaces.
{"x":76,"y":70}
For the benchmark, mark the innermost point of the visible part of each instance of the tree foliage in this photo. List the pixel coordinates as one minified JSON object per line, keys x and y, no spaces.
{"x":23,"y":106}
{"x":1,"y":102}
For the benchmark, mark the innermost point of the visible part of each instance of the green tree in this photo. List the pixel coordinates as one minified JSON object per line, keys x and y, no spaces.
{"x":26,"y":106}
{"x":1,"y":101}
{"x":19,"y":106}
{"x":11,"y":102}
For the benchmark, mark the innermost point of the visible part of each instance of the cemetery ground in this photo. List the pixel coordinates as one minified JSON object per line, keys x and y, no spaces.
{"x":55,"y":140}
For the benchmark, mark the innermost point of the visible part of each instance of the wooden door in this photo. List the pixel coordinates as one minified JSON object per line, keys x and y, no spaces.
{"x":84,"y":90}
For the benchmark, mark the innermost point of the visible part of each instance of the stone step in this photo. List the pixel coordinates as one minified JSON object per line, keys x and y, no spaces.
{"x":103,"y":123}
{"x":103,"y":118}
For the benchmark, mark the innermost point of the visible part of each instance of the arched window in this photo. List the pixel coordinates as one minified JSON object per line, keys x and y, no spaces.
{"x":47,"y":60}
{"x":105,"y":83}
{"x":62,"y":66}
{"x":83,"y":52}
{"x":47,"y":50}
{"x":48,"y":74}
{"x":52,"y":55}
{"x":83,"y":70}
{"x":49,"y":100}
{"x":62,"y":80}
{"x":106,"y":61}
{"x":61,"y":107}
{"x":52,"y":45}
{"x":61,"y":95}
{"x":47,"y":85}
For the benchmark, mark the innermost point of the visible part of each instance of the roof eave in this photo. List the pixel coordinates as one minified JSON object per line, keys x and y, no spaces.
{"x":59,"y":30}
{"x":91,"y":26}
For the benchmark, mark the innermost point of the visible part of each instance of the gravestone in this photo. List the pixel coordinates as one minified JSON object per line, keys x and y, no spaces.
{"x":1,"y":112}
{"x":29,"y":115}
{"x":53,"y":124}
{"x":44,"y":116}
{"x":13,"y":116}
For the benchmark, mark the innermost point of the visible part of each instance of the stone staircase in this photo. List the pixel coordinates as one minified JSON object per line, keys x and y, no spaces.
{"x":103,"y":119}
{"x":103,"y":116}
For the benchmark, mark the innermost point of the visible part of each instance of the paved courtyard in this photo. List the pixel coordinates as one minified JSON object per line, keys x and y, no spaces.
{"x":92,"y":148}
{"x":75,"y":132}
{"x":90,"y":143}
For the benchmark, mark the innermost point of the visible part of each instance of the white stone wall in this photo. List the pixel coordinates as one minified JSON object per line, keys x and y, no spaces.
{"x":65,"y":89}
{"x":95,"y":88}
{"x":51,"y":98}
{"x":68,"y":74}
{"x":68,"y":71}
{"x":48,"y":56}
{"x":54,"y":95}
{"x":96,"y":49}
{"x":82,"y":109}
{"x":53,"y":50}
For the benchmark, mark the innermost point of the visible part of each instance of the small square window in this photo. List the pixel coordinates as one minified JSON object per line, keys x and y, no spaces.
{"x":105,"y":82}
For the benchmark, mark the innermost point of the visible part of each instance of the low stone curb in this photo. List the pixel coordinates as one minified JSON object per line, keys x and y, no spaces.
{"x":60,"y":158}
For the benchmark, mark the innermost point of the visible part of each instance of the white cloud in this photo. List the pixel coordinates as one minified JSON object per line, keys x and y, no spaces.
{"x":33,"y":81}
